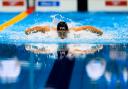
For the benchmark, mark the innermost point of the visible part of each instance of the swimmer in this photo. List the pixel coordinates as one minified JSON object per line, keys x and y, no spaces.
{"x":62,"y":29}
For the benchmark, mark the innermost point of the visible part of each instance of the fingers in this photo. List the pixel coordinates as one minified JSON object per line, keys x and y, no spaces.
{"x":97,"y":31}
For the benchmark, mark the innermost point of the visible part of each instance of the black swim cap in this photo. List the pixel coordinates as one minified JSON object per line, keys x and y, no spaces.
{"x":62,"y":24}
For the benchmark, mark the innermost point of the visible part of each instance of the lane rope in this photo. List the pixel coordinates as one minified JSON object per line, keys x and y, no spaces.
{"x":17,"y":18}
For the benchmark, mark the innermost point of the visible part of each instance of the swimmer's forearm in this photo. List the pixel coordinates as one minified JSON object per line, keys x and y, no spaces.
{"x":89,"y":28}
{"x":36,"y":29}
{"x":93,"y":29}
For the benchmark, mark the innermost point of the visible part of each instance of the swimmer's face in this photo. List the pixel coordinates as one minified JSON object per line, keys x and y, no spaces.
{"x":62,"y":30}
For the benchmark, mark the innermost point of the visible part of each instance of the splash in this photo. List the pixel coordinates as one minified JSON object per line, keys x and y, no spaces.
{"x":11,"y":34}
{"x":57,"y":18}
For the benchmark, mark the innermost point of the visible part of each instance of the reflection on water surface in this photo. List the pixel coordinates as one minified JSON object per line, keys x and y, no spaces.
{"x":64,"y":66}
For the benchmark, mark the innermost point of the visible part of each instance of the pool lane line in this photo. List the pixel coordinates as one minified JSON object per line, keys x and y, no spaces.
{"x":17,"y":18}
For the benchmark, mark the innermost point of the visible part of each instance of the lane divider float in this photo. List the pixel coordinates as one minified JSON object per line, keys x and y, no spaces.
{"x":17,"y":18}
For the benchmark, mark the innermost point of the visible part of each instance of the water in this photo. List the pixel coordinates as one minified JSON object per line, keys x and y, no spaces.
{"x":82,"y":61}
{"x":66,"y":66}
{"x":113,"y":25}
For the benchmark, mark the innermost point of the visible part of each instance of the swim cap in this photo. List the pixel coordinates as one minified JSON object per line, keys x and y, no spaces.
{"x":62,"y":26}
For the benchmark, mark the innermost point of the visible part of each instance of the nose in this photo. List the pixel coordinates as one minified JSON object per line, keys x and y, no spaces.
{"x":62,"y":34}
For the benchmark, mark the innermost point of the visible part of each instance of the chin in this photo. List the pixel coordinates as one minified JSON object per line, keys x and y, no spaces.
{"x":62,"y":37}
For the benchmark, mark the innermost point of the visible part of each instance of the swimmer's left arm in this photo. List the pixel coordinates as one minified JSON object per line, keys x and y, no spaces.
{"x":88,"y":28}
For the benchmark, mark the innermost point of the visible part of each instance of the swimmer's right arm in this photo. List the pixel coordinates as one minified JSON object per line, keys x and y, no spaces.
{"x":89,"y":28}
{"x":36,"y":29}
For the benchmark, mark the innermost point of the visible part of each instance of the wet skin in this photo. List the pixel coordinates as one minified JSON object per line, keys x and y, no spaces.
{"x":62,"y":32}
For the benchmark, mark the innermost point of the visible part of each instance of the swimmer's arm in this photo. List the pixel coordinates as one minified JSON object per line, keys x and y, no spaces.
{"x":36,"y":29}
{"x":88,"y":28}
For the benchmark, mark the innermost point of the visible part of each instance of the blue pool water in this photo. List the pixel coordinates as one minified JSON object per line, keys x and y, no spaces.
{"x":114,"y":26}
{"x":82,"y":61}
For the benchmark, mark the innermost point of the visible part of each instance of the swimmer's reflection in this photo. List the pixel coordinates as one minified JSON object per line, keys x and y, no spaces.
{"x":66,"y":54}
{"x":71,"y":50}
{"x":60,"y":75}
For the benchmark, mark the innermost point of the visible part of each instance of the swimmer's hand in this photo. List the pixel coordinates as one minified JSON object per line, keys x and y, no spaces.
{"x":89,"y":28}
{"x":36,"y":29}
